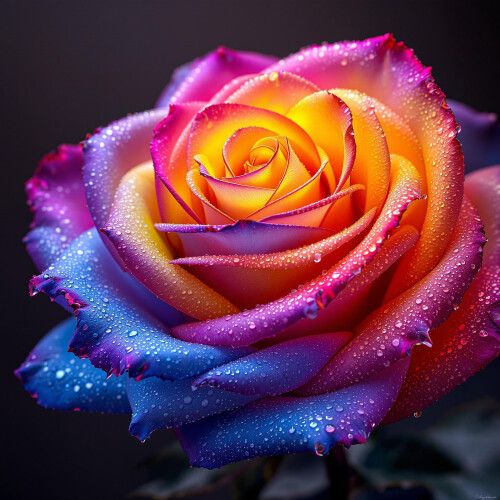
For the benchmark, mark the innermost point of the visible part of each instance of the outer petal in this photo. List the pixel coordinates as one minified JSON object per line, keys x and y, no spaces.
{"x":117,"y":328}
{"x":205,"y":76}
{"x":277,"y":369}
{"x":109,"y":155}
{"x":388,"y":71}
{"x":57,"y":199}
{"x":146,"y":254}
{"x":157,"y":404}
{"x":60,"y":380}
{"x":470,"y":338}
{"x":480,"y":136}
{"x":267,"y":321}
{"x":279,"y":425}
{"x":390,"y":332}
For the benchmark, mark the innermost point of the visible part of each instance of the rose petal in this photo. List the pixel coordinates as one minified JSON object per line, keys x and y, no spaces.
{"x":479,"y":136}
{"x":215,"y":124}
{"x":145,"y":253}
{"x":389,"y":333}
{"x":277,"y":369}
{"x":108,"y":155}
{"x":345,"y":311}
{"x":172,"y":191}
{"x":388,"y":71}
{"x":243,"y":236}
{"x":277,"y":91}
{"x":470,"y":338}
{"x":267,"y":321}
{"x":57,"y":199}
{"x":302,"y":256}
{"x":157,"y":404}
{"x":117,"y":325}
{"x":279,"y":425}
{"x":210,"y":73}
{"x":61,"y":381}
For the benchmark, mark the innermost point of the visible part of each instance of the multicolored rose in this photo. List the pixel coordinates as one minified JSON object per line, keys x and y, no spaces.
{"x":278,"y":258}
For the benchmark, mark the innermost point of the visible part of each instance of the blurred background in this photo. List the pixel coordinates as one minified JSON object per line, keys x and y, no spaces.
{"x":69,"y":67}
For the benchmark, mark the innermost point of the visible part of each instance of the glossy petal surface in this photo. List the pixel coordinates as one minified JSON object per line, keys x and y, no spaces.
{"x":470,"y":338}
{"x":157,"y":404}
{"x":278,"y":425}
{"x":277,"y":369}
{"x":117,"y":324}
{"x":58,"y":379}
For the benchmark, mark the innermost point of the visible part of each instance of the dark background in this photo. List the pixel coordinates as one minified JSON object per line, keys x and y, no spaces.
{"x":68,"y":67}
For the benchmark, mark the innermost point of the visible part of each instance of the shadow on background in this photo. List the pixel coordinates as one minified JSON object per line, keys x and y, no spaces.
{"x":69,"y":67}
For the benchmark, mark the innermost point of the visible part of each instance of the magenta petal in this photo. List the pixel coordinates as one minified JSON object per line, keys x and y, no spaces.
{"x":267,"y":321}
{"x":480,"y":136}
{"x":389,"y":333}
{"x":207,"y":75}
{"x":470,"y":338}
{"x":280,"y":425}
{"x":57,"y":199}
{"x":242,"y":237}
{"x":277,"y":369}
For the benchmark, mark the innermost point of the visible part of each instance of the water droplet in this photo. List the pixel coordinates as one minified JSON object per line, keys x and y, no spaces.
{"x":317,"y":257}
{"x":417,"y":414}
{"x":330,"y":428}
{"x":60,"y":374}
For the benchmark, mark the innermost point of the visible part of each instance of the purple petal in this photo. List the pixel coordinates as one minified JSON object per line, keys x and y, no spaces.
{"x":279,"y":425}
{"x":243,"y":237}
{"x":277,"y":369}
{"x":480,"y":136}
{"x":157,"y":404}
{"x":61,"y":381}
{"x":57,"y":199}
{"x":117,"y":326}
{"x":389,"y":333}
{"x":202,"y":78}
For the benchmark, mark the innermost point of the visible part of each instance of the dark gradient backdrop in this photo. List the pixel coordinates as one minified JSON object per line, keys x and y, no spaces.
{"x":68,"y":67}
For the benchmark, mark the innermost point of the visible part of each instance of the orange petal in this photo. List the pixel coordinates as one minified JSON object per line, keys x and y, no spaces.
{"x":275,"y":91}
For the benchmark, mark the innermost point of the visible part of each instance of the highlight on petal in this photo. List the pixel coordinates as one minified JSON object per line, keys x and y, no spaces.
{"x":277,"y":369}
{"x":121,"y":325}
{"x":267,"y":321}
{"x":57,"y":199}
{"x":108,"y":155}
{"x":283,"y":260}
{"x":280,"y":424}
{"x":208,"y":74}
{"x":479,"y":136}
{"x":470,"y":338}
{"x":59,"y":380}
{"x":390,"y":72}
{"x":389,"y":333}
{"x":146,"y":254}
{"x":158,"y":404}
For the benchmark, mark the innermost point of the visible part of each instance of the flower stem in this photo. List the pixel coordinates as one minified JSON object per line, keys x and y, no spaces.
{"x":338,"y":471}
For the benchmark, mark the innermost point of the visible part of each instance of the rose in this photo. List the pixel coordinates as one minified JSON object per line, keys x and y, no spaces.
{"x":327,"y":187}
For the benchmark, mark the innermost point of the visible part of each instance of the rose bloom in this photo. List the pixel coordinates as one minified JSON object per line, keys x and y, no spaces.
{"x":278,"y":258}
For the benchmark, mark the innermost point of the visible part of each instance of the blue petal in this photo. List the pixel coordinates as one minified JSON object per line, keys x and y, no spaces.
{"x":60,"y":380}
{"x":118,"y":326}
{"x":281,"y":425}
{"x":157,"y":404}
